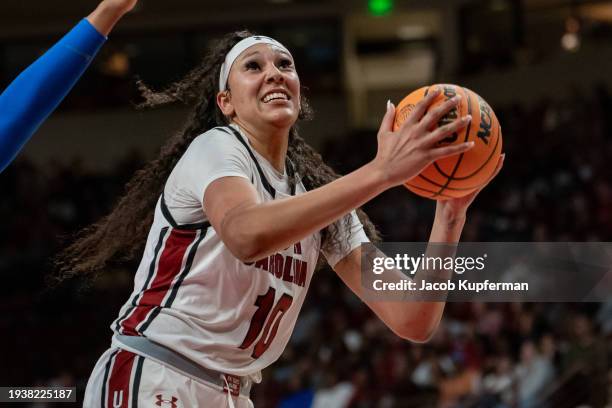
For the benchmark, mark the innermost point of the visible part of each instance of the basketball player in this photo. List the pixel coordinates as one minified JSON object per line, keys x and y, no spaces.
{"x":37,"y":91}
{"x":238,"y":208}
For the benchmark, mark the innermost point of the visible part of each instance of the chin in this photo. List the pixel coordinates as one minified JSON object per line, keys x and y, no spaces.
{"x":283,"y":120}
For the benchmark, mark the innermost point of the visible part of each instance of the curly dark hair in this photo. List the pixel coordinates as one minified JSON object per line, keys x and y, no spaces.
{"x":121,"y":235}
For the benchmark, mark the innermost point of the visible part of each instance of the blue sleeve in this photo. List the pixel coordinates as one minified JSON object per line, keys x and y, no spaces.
{"x":37,"y":91}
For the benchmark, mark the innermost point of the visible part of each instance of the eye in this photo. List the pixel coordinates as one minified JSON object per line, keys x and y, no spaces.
{"x":285,"y":63}
{"x":252,"y":65}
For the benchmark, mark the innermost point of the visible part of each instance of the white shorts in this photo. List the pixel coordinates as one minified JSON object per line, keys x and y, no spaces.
{"x":122,"y":379}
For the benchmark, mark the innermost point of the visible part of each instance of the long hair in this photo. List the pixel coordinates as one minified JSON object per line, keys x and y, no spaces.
{"x":121,"y":235}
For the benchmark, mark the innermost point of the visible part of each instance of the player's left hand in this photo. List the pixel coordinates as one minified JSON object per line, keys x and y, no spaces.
{"x":108,"y":13}
{"x":457,"y":207}
{"x":124,"y":6}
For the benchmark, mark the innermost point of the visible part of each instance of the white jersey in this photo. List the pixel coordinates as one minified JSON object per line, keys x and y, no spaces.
{"x":192,"y":295}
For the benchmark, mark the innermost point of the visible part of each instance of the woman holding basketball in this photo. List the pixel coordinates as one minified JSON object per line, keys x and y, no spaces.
{"x":238,"y":208}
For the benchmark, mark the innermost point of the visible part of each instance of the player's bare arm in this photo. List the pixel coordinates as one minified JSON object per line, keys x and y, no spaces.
{"x":252,"y":229}
{"x":415,"y":321}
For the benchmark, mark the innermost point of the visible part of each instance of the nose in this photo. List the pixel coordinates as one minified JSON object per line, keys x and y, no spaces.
{"x":274,"y":75}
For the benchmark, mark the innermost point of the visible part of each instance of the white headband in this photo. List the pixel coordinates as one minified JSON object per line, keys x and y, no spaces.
{"x":238,"y":49}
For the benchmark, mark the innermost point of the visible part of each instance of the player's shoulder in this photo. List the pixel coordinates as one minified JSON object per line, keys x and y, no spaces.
{"x":219,"y":134}
{"x":218,"y":140}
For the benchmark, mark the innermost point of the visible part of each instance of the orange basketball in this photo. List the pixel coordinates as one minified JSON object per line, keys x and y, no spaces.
{"x":458,"y":175}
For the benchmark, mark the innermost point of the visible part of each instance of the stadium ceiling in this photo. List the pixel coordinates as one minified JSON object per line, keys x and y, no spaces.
{"x":22,"y":19}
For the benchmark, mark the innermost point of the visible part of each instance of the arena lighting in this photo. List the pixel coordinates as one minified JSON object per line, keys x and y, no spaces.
{"x":380,"y":7}
{"x":570,"y":41}
{"x":598,"y":12}
{"x":412,"y":32}
{"x":117,"y":64}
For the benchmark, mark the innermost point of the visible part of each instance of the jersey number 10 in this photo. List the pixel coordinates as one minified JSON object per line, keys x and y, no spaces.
{"x":266,"y":318}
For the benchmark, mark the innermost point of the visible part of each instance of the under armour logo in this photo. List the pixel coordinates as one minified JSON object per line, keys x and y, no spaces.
{"x":262,"y":38}
{"x":162,"y":402}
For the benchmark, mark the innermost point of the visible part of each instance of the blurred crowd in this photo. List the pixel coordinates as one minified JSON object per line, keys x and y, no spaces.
{"x":556,"y":186}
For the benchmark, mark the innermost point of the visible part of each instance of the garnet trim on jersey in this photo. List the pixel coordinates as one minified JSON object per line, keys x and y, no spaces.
{"x":166,"y":270}
{"x":164,"y":279}
{"x":105,"y":380}
{"x":118,"y":375}
{"x":147,"y":304}
{"x":160,"y":241}
{"x":183,"y":274}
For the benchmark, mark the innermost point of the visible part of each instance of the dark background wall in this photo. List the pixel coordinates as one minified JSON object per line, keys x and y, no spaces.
{"x":555,"y":108}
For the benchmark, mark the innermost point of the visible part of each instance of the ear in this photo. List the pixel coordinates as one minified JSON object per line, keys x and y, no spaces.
{"x":224,"y":101}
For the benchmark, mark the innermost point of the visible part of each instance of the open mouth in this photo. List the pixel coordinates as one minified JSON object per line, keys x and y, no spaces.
{"x":275,"y":96}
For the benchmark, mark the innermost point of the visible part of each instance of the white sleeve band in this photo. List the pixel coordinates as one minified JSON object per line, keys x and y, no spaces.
{"x":356,"y":236}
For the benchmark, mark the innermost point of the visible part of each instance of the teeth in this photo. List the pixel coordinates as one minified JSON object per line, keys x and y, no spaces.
{"x":275,"y":95}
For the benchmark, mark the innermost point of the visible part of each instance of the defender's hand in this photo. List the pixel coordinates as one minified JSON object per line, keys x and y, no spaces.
{"x":124,"y":6}
{"x":108,"y":13}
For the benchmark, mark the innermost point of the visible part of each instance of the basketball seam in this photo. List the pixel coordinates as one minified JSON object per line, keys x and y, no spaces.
{"x":463,"y":178}
{"x":485,"y":163}
{"x":433,"y":193}
{"x":479,"y":168}
{"x":467,"y":134}
{"x":436,"y":184}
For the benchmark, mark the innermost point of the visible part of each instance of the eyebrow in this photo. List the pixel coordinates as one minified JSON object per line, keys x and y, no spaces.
{"x":278,"y":50}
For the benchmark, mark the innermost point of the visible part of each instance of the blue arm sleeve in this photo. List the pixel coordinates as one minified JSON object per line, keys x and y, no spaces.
{"x":37,"y":91}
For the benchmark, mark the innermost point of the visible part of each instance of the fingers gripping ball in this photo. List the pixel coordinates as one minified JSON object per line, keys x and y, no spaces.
{"x":457,"y":175}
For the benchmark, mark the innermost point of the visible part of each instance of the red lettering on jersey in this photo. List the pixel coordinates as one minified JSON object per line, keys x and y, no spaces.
{"x":297,"y":248}
{"x":278,"y":265}
{"x":296,"y":271}
{"x":272,"y":266}
{"x":262,"y":263}
{"x":301,"y":268}
{"x":287,"y":276}
{"x":285,"y":267}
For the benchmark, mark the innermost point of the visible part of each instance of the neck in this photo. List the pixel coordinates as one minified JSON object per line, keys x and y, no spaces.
{"x":270,"y":142}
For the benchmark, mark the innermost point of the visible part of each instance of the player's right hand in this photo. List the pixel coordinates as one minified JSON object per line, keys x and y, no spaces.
{"x":403,"y":154}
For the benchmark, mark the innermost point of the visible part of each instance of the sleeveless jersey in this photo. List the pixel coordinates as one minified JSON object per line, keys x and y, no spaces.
{"x":192,"y":295}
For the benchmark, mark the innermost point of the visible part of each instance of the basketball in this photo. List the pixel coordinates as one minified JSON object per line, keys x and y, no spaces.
{"x":458,"y":175}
